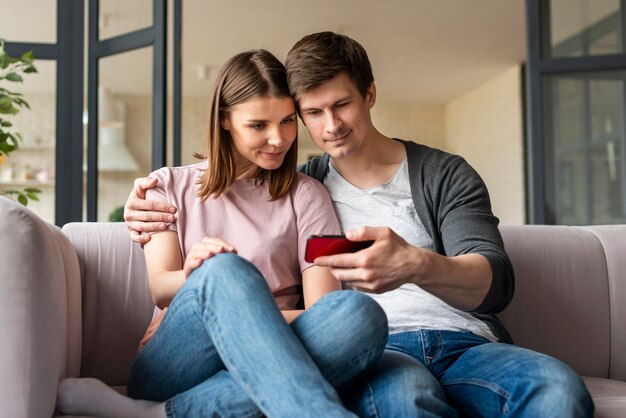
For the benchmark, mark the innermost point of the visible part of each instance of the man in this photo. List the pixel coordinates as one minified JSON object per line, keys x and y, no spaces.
{"x":437,"y":266}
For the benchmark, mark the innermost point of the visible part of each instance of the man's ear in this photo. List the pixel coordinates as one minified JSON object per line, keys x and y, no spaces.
{"x":370,"y":95}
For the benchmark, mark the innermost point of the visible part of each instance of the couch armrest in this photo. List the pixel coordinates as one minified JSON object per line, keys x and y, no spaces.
{"x":613,"y":239}
{"x":40,"y":316}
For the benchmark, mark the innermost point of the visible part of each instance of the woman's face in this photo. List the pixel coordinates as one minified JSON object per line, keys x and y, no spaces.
{"x":262,"y":130}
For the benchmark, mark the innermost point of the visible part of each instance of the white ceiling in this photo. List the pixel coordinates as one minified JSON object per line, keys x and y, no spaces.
{"x":422,"y":51}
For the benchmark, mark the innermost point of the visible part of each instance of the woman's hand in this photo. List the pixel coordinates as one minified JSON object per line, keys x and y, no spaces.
{"x":203,"y":250}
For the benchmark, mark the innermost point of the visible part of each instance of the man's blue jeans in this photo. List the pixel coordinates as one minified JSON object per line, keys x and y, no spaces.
{"x":444,"y":374}
{"x":224,"y":349}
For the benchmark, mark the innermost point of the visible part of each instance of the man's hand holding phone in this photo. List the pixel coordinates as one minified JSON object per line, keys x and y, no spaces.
{"x":386,"y":264}
{"x":321,"y":245}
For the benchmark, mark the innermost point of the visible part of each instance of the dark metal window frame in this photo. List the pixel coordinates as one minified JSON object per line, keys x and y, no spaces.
{"x":177,"y":81}
{"x":539,"y":65}
{"x":154,"y":36}
{"x":68,"y":54}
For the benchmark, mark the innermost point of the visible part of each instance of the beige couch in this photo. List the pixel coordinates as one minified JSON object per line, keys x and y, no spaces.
{"x":74,"y":302}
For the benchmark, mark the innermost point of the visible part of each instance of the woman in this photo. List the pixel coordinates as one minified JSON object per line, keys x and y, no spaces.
{"x":230,"y":271}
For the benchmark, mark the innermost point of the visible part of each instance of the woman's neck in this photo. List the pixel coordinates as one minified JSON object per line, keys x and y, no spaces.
{"x":245,"y":169}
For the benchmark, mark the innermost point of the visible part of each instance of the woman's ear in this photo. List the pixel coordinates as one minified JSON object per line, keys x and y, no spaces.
{"x":225,"y":123}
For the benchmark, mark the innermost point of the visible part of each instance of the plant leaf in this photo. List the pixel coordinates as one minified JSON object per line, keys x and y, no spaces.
{"x":33,"y":196}
{"x":6,"y":148}
{"x":4,"y":60}
{"x":22,"y":199}
{"x":14,"y":77}
{"x":6,"y":106}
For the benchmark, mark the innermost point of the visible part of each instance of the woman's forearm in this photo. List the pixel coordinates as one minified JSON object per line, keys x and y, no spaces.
{"x":291,"y":314}
{"x":164,"y":286}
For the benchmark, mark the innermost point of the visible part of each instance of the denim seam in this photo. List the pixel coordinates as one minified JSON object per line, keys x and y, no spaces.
{"x":372,"y":404}
{"x":425,"y":359}
{"x":169,"y":408}
{"x":482,"y":383}
{"x":356,"y":359}
{"x":248,"y":413}
{"x":441,"y":345}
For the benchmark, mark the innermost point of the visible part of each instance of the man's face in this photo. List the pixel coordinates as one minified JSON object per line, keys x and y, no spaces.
{"x":337,"y":116}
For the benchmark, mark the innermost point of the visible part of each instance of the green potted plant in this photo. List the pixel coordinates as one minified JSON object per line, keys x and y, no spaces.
{"x":11,"y":103}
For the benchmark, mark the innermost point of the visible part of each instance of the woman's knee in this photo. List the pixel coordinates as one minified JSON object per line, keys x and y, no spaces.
{"x":356,"y":311}
{"x":344,"y":332}
{"x":227,"y":260}
{"x":226,"y":271}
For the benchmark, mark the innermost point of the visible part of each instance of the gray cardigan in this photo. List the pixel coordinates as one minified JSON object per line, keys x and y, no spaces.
{"x":453,"y":204}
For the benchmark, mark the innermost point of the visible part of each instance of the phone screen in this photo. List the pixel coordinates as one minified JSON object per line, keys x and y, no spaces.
{"x":319,"y":245}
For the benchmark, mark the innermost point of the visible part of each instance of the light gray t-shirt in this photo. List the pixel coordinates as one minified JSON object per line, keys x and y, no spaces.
{"x":408,"y":307}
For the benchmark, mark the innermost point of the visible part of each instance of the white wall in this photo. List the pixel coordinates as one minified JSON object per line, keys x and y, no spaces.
{"x":484,"y":125}
{"x":415,"y":122}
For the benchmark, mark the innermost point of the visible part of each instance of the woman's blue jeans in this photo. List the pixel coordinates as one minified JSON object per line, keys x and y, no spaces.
{"x":432,"y":373}
{"x":224,"y":349}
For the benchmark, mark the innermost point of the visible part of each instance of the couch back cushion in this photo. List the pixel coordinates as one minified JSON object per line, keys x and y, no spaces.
{"x":117,"y":306}
{"x":613,"y":239}
{"x":561,"y":302}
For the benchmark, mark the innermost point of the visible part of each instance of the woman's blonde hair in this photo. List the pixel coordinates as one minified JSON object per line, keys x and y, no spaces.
{"x":245,"y":76}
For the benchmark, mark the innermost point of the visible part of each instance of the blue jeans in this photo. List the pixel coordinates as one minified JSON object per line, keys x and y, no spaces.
{"x":445,"y":373}
{"x":224,"y":349}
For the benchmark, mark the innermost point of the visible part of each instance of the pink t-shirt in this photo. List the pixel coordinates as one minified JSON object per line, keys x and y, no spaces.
{"x":270,"y":234}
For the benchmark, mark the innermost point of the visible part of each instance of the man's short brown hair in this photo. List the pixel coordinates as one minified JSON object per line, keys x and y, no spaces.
{"x":319,"y":57}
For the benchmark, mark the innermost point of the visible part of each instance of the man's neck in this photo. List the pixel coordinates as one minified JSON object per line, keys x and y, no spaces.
{"x":375,"y":162}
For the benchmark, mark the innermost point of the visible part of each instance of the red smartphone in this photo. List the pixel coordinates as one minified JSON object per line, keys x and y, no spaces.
{"x":319,"y":245}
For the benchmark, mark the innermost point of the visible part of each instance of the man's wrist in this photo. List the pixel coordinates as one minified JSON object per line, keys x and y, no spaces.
{"x":419,"y":264}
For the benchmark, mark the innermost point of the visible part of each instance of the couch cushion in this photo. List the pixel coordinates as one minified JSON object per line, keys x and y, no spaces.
{"x":608,"y":395}
{"x":561,"y":302}
{"x":117,"y":306}
{"x":40,"y":315}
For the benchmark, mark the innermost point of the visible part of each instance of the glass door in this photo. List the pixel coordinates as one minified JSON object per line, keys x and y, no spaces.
{"x":49,"y":157}
{"x":126,"y":100}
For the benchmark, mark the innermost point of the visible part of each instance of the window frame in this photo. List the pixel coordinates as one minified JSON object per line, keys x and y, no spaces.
{"x":539,"y":65}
